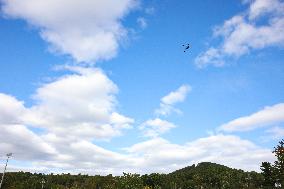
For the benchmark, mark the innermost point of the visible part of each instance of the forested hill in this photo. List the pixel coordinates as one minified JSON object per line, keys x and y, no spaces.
{"x":203,"y":175}
{"x":212,"y":175}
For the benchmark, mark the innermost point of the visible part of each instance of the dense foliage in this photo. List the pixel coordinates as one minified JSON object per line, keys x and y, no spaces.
{"x":274,"y":173}
{"x":201,"y":176}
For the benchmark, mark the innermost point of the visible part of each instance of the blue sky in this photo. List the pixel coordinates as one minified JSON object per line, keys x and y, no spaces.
{"x":110,"y":80}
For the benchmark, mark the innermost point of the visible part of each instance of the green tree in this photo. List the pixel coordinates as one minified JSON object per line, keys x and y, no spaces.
{"x":274,"y":173}
{"x":130,"y":181}
{"x":278,"y":166}
{"x":267,"y":172}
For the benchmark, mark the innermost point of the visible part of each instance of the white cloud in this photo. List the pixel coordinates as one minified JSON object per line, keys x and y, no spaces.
{"x":85,"y":157}
{"x":24,"y":144}
{"x":156,"y":127}
{"x":71,"y":118}
{"x":75,"y":108}
{"x":11,"y":110}
{"x":268,"y":116}
{"x":212,"y":55}
{"x":224,"y":149}
{"x":177,"y":96}
{"x":88,"y":30}
{"x":165,"y":110}
{"x":142,"y":22}
{"x":261,"y":7}
{"x":242,"y":33}
{"x":168,"y":101}
{"x":68,"y":110}
{"x":81,"y":104}
{"x":276,"y":133}
{"x":16,"y":137}
{"x":75,"y":152}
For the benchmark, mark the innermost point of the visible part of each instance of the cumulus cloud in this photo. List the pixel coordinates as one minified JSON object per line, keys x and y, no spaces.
{"x":86,"y":157}
{"x":75,"y":152}
{"x":24,"y":144}
{"x":261,"y":7}
{"x":15,"y":136}
{"x":72,"y":111}
{"x":266,"y":117}
{"x":155,"y":127}
{"x":153,"y":156}
{"x":243,"y":33}
{"x":11,"y":110}
{"x":167,"y":102}
{"x":88,"y":30}
{"x":75,"y":108}
{"x":225,"y":149}
{"x":80,"y":104}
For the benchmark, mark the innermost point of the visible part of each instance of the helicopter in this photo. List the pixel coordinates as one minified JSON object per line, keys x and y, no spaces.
{"x":186,"y":47}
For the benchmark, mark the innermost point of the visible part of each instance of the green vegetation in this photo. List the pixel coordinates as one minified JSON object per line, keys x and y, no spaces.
{"x":274,"y":173}
{"x":201,"y":176}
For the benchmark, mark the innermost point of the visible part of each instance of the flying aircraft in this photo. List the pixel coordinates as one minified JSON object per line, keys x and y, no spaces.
{"x":186,"y":47}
